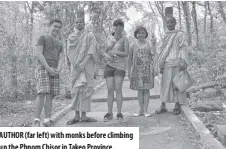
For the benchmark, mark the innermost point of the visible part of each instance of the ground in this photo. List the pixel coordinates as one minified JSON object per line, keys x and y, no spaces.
{"x":21,"y":113}
{"x":211,"y":118}
{"x":165,"y":129}
{"x":156,"y":132}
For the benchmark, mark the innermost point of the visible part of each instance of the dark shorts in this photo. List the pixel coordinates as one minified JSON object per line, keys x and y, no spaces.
{"x":45,"y":83}
{"x":111,"y":72}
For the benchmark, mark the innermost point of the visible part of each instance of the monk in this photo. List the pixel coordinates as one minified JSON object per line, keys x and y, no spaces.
{"x":172,"y":59}
{"x":81,"y":59}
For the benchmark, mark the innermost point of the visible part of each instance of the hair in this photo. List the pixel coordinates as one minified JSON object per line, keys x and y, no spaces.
{"x":55,"y":20}
{"x":118,"y":22}
{"x":140,"y":28}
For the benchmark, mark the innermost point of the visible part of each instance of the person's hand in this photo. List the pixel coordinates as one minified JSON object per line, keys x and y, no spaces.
{"x":155,"y":73}
{"x":112,"y":53}
{"x":81,"y":66}
{"x":69,"y":65}
{"x":175,"y":88}
{"x":52,"y":71}
{"x":161,"y":70}
{"x":153,"y":40}
{"x":183,"y":66}
{"x":58,"y":70}
{"x":108,"y":57}
{"x":129,"y":75}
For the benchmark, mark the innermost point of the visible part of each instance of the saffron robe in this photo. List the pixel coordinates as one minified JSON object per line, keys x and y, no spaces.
{"x":173,"y":51}
{"x":80,"y":45}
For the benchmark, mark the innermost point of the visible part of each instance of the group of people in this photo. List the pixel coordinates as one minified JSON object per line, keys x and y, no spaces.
{"x":138,"y":58}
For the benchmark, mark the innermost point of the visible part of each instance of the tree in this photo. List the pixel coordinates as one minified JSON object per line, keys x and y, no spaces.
{"x":205,"y":15}
{"x":187,"y":16}
{"x":221,"y":11}
{"x":179,"y":14}
{"x":194,"y":17}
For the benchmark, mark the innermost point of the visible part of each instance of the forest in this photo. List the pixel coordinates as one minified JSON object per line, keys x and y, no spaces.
{"x":21,"y":23}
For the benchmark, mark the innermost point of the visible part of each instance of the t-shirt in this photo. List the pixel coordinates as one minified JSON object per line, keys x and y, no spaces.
{"x":51,"y":49}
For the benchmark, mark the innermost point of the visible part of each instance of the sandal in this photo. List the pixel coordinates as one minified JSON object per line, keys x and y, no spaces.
{"x":89,"y":120}
{"x":138,"y":114}
{"x":176,"y":111}
{"x":48,"y":124}
{"x":161,"y":110}
{"x":72,"y":121}
{"x":147,"y":114}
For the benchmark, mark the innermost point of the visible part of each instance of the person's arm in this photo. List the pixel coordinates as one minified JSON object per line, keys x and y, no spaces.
{"x":106,"y":49}
{"x":153,"y":46}
{"x":183,"y":50}
{"x":61,"y":59}
{"x":40,"y":56}
{"x":130,"y":61}
{"x":42,"y":60}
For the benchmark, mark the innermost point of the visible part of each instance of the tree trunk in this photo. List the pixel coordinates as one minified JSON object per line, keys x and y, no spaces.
{"x":27,"y":24}
{"x":179,"y":10}
{"x":204,"y":28}
{"x":187,"y":16}
{"x":31,"y":9}
{"x":156,"y":18}
{"x":194,"y":16}
{"x":221,"y":11}
{"x":211,"y":22}
{"x":160,"y":6}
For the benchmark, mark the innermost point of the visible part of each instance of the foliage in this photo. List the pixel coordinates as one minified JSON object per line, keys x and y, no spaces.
{"x":22,"y":22}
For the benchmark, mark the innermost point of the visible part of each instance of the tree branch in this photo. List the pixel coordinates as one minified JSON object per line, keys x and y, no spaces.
{"x":28,"y":6}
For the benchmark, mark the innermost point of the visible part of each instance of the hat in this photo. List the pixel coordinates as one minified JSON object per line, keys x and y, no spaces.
{"x":80,"y":13}
{"x":169,"y":12}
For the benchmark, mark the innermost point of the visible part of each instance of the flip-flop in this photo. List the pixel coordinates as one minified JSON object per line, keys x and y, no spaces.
{"x":89,"y":120}
{"x":176,"y":111}
{"x":138,"y":114}
{"x":147,"y":114}
{"x":48,"y":124}
{"x":72,"y":121}
{"x":160,"y":111}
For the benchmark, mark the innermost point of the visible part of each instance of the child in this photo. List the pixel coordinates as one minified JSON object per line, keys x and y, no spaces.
{"x":140,"y":69}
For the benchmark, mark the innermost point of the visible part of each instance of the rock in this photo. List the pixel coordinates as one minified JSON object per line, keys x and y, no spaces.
{"x":221,"y":132}
{"x":202,"y":94}
{"x":224,"y":106}
{"x":217,"y":113}
{"x":208,"y":92}
{"x":207,"y":108}
{"x":212,"y":116}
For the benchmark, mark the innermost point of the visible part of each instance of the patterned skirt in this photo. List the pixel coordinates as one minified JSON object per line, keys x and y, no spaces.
{"x":142,"y":77}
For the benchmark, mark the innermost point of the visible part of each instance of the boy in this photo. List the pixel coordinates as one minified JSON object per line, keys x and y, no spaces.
{"x":49,"y":51}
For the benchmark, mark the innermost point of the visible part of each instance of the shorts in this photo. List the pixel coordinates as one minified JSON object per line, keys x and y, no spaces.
{"x":111,"y":72}
{"x":45,"y":83}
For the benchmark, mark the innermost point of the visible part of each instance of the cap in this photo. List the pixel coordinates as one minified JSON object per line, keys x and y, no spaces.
{"x":80,"y":13}
{"x":169,"y":12}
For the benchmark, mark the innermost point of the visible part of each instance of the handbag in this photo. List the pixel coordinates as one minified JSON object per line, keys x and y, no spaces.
{"x":182,"y":80}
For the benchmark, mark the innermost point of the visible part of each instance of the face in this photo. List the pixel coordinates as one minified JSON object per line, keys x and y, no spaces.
{"x":118,"y":29}
{"x":55,"y":28}
{"x":171,"y":23}
{"x":79,"y":24}
{"x":141,"y":35}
